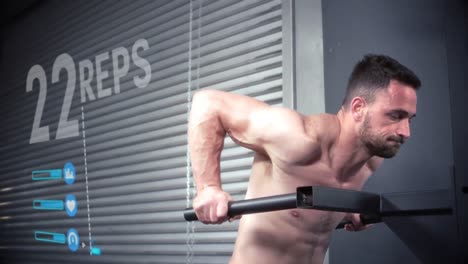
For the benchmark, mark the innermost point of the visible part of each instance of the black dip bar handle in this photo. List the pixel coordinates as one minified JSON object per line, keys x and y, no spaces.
{"x":252,"y":206}
{"x":372,"y":207}
{"x":341,"y":200}
{"x":309,"y":197}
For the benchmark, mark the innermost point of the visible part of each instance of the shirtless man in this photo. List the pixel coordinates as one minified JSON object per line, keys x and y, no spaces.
{"x":293,"y":150}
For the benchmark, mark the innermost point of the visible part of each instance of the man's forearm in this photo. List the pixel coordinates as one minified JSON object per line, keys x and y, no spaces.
{"x":206,"y":140}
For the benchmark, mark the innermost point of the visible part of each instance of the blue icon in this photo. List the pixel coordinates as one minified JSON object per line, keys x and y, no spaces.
{"x":73,"y":239}
{"x":71,"y":205}
{"x":39,"y":175}
{"x":48,"y":204}
{"x":95,"y":251}
{"x":69,"y":173}
{"x":49,"y":237}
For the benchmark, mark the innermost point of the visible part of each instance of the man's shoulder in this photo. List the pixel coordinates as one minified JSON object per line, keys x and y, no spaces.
{"x":325,"y":127}
{"x":306,"y":142}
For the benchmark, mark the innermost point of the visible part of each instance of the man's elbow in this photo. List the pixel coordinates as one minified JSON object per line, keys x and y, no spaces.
{"x":206,"y":105}
{"x":206,"y":99}
{"x":206,"y":95}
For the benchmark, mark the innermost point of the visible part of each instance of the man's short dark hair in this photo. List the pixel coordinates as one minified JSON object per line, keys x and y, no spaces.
{"x":375,"y":72}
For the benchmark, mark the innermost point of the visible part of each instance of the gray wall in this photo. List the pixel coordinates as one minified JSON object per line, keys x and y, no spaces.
{"x":414,"y":33}
{"x":457,"y":57}
{"x":308,"y":50}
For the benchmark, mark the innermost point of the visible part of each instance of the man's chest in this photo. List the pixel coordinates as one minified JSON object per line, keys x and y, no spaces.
{"x":320,"y":174}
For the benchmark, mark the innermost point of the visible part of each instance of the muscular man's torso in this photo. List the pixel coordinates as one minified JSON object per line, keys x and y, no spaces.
{"x":297,"y":235}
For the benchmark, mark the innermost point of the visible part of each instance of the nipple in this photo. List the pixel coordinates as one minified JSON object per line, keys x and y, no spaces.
{"x":294,"y":213}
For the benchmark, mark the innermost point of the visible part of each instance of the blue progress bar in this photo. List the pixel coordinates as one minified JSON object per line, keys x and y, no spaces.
{"x":95,"y":251}
{"x":39,"y":175}
{"x":49,"y":237}
{"x":48,"y":204}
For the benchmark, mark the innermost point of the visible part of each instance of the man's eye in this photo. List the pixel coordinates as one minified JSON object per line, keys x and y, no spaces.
{"x":396,"y":116}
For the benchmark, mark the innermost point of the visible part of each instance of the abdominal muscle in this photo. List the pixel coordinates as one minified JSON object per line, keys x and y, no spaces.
{"x":291,"y":236}
{"x":287,"y":236}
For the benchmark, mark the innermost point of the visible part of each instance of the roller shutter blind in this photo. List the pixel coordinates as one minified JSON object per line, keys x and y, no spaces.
{"x":128,"y":144}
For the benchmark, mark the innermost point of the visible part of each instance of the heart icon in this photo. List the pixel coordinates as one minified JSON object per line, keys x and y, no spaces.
{"x":71,"y":205}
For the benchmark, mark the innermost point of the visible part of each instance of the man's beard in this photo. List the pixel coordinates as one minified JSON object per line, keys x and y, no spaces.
{"x":376,"y":145}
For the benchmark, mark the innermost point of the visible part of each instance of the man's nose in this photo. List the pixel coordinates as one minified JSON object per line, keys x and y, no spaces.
{"x":404,"y":129}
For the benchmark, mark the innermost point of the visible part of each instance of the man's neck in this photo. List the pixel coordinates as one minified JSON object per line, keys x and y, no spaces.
{"x":348,"y":155}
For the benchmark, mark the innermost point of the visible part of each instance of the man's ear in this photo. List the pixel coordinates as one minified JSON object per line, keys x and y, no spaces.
{"x":358,"y":107}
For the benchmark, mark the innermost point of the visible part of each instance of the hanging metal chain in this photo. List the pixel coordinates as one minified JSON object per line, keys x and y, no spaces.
{"x":190,"y":226}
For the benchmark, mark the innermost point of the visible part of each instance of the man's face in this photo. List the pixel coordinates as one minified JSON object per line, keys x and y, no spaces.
{"x":387,"y":122}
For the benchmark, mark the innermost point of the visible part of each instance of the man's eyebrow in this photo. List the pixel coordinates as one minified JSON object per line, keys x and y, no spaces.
{"x":402,"y":112}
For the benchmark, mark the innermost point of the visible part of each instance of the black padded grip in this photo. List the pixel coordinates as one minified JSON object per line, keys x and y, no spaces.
{"x":251,"y":206}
